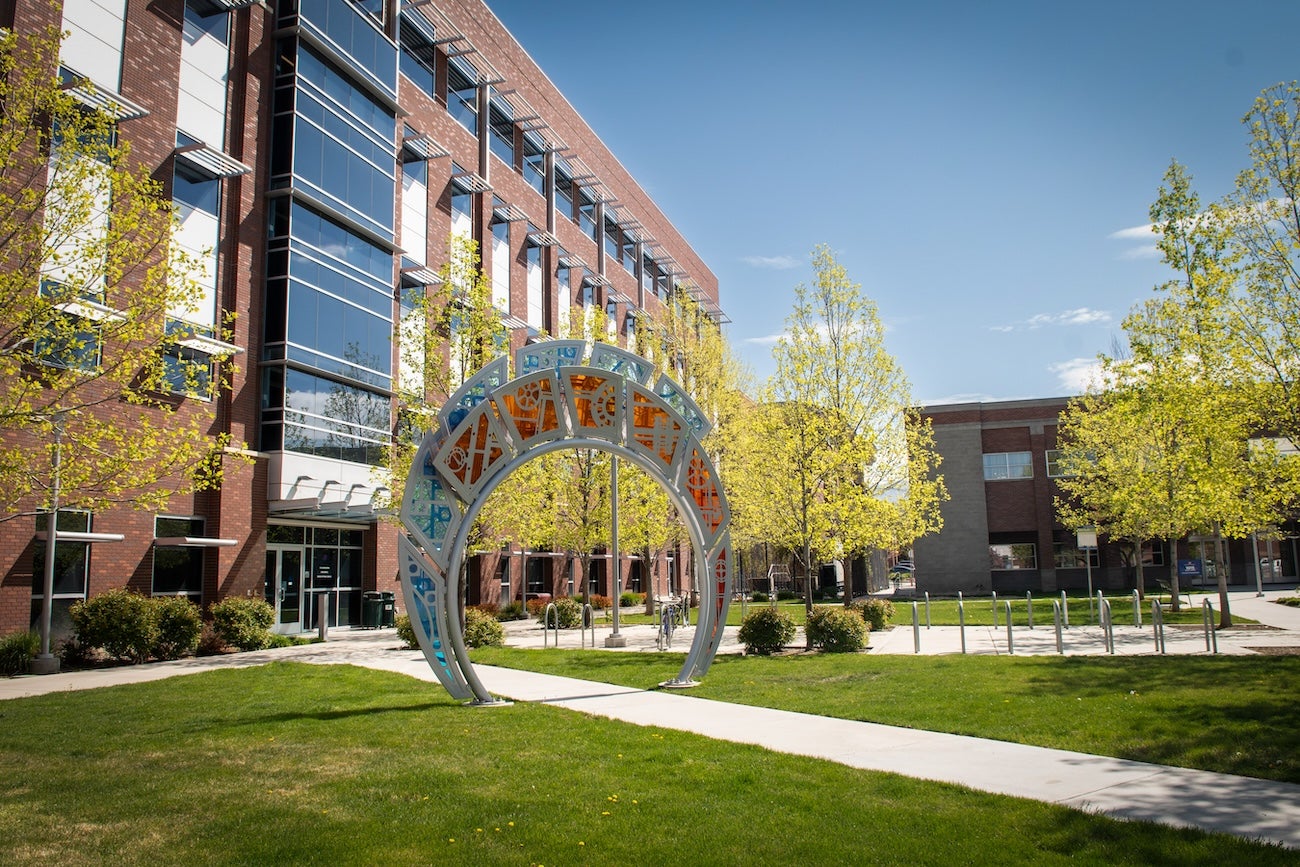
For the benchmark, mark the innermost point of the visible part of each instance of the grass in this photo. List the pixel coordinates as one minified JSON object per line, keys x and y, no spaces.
{"x":1234,"y":714}
{"x":978,"y":611}
{"x":294,"y":763}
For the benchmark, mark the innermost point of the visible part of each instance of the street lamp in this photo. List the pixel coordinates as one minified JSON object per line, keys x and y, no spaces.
{"x":1087,"y":543}
{"x":46,"y":662}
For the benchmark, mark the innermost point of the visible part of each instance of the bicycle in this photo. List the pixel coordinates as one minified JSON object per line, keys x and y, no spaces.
{"x":671,"y":615}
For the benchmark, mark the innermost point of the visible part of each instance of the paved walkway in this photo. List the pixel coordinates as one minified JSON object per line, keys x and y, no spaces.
{"x":1246,"y":807}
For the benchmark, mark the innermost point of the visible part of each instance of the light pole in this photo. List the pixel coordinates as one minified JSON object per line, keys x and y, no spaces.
{"x":46,"y":662}
{"x":614,"y":639}
{"x":1087,"y":543}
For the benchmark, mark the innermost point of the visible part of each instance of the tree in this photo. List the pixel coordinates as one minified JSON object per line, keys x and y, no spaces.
{"x":1167,"y":450}
{"x":93,"y":292}
{"x":842,"y":462}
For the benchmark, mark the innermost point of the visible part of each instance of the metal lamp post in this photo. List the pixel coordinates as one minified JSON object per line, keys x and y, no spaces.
{"x":1087,"y":543}
{"x":46,"y":662}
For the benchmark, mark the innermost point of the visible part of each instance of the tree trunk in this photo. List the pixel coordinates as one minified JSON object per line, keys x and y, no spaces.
{"x":808,"y":589}
{"x":1221,"y":569}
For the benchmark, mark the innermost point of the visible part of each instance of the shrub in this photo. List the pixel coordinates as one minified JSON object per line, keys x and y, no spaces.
{"x":836,"y":629}
{"x":243,"y":622}
{"x":75,"y":654}
{"x":406,"y":632}
{"x":482,"y":629}
{"x":628,"y":599}
{"x":17,"y":652}
{"x":179,"y":624}
{"x":876,"y":612}
{"x":512,"y":611}
{"x":120,"y":621}
{"x":568,"y":612}
{"x":210,"y":644}
{"x":536,"y":606}
{"x":600,"y":603}
{"x":765,"y":631}
{"x":786,"y":595}
{"x":759,"y":596}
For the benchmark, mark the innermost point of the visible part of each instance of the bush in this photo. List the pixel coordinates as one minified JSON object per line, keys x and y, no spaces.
{"x":120,"y":621}
{"x":766,"y":630}
{"x":512,"y":611}
{"x":210,"y":644}
{"x":786,"y":595}
{"x":759,"y":596}
{"x":482,"y":629}
{"x":179,"y":625}
{"x":17,"y":652}
{"x":536,"y":606}
{"x":836,"y":629}
{"x":243,"y":622}
{"x":876,"y":612}
{"x":568,"y":613}
{"x":600,"y":603}
{"x":75,"y":654}
{"x":628,"y":599}
{"x":406,"y":632}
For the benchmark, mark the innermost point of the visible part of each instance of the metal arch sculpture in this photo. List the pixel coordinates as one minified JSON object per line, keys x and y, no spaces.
{"x":560,"y":399}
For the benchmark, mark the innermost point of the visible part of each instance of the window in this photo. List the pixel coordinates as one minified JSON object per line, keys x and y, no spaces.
{"x":462,"y":94}
{"x":586,"y":214}
{"x":563,"y":190}
{"x":1008,"y":465}
{"x":336,"y":571}
{"x":417,"y":60}
{"x":501,"y":266}
{"x":534,"y":167}
{"x":502,"y":128}
{"x":1153,"y":553}
{"x":1022,"y":555}
{"x":71,"y":342}
{"x":178,"y":569}
{"x":70,"y":563}
{"x":1070,"y":557}
{"x":318,"y":416}
{"x":187,"y":371}
{"x":1054,"y":470}
{"x":535,"y":293}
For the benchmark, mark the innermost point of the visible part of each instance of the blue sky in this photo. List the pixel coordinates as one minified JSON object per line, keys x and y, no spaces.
{"x":978,"y":167}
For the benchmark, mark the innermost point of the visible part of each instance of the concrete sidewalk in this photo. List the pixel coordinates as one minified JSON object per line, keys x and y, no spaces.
{"x":1245,"y":807}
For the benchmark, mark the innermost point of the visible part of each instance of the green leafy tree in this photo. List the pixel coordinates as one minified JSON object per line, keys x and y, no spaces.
{"x":831,"y":455}
{"x":90,"y":280}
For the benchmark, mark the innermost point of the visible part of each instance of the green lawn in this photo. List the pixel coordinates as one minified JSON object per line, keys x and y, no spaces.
{"x":302,"y":764}
{"x":1235,"y":714}
{"x":978,"y":611}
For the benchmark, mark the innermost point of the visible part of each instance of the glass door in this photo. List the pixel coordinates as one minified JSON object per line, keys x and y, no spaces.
{"x":284,"y":587}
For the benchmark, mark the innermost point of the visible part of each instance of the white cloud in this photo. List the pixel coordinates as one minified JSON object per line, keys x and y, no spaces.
{"x":775,"y":263}
{"x":1077,"y":316}
{"x":1135,"y":233}
{"x":1077,"y":374}
{"x":764,"y":340}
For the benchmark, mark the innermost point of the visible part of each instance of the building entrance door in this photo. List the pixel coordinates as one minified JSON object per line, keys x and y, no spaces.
{"x":284,"y":566}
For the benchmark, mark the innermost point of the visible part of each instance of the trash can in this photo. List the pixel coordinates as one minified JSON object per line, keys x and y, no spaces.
{"x":372,"y":609}
{"x":388,"y":605}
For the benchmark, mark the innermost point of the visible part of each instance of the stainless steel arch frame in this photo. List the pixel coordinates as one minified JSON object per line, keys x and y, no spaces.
{"x":490,"y":427}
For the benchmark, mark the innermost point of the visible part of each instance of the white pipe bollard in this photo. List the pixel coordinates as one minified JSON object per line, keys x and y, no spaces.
{"x":588,"y":622}
{"x":1137,"y":610}
{"x":322,"y":616}
{"x":916,"y":629}
{"x":961,"y":621}
{"x":1011,"y":642}
{"x":1207,"y":618}
{"x":995,"y":609}
{"x":927,"y":609}
{"x":1056,"y":621}
{"x":1029,"y":607}
{"x":1065,"y":610}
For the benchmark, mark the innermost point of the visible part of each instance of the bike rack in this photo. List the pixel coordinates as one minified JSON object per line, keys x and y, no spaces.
{"x":1056,"y":621}
{"x":1107,"y":625}
{"x":588,"y":621}
{"x":1207,"y":619}
{"x":546,"y":624}
{"x":1137,"y":610}
{"x":1158,"y":625}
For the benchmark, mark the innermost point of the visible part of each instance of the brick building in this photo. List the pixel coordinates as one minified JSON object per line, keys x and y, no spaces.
{"x":326,"y":151}
{"x":1000,"y":532}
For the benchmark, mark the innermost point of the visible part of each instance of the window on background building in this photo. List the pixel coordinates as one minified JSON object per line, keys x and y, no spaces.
{"x":534,"y":166}
{"x":501,"y":266}
{"x":629,"y":254}
{"x":462,"y":93}
{"x":613,"y":236}
{"x":1070,"y":557}
{"x":586,"y":214}
{"x":415,"y":208}
{"x":462,"y":208}
{"x":417,"y":60}
{"x":70,"y":341}
{"x":318,"y":416}
{"x":1008,"y":465}
{"x":535,"y":290}
{"x":501,"y":128}
{"x":1020,"y":555}
{"x":178,"y":569}
{"x":186,"y":369}
{"x":336,"y":572}
{"x":563,"y":190}
{"x":564,"y":292}
{"x":1153,"y":553}
{"x":71,"y":560}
